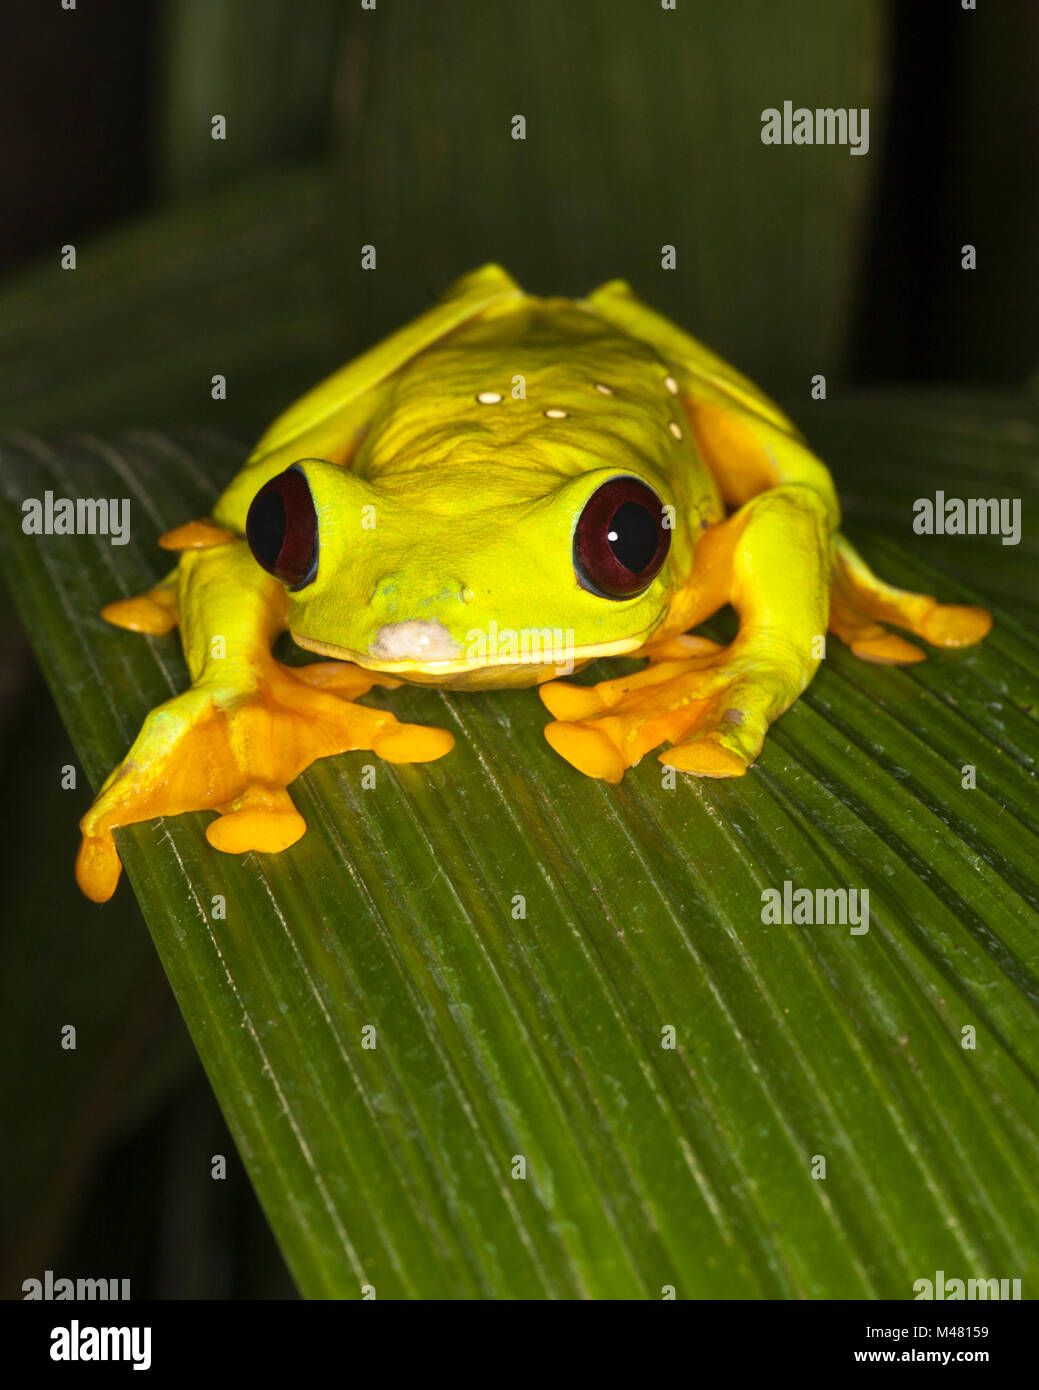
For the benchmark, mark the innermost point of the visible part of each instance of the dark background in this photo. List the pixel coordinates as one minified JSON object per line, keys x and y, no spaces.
{"x":81,"y":110}
{"x":391,"y":127}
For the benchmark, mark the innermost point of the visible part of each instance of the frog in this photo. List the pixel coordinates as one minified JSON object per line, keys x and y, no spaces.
{"x":505,"y":463}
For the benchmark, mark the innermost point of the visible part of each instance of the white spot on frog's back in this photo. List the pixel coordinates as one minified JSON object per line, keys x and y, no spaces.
{"x":556,"y":414}
{"x":671,"y":384}
{"x":489,"y":397}
{"x":603,"y":390}
{"x":675,"y":429}
{"x":415,"y":640}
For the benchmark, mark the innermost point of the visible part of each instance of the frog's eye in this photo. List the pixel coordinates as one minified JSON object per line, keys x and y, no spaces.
{"x":620,"y":542}
{"x":281,"y":529}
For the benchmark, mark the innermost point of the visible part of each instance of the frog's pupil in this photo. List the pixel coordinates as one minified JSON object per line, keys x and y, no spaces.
{"x":267,"y":524}
{"x":282,"y":529}
{"x":633,"y":536}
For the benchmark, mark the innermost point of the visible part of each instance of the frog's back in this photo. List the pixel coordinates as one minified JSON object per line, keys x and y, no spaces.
{"x":529,"y":393}
{"x":508,"y":393}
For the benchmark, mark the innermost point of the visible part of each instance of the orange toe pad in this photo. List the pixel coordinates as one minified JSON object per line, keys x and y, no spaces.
{"x":141,"y":614}
{"x":413,"y":743}
{"x":587,"y":749}
{"x":195,"y":535}
{"x":261,"y":828}
{"x":704,"y":758}
{"x":887,"y":650}
{"x":956,"y":625}
{"x":98,"y":867}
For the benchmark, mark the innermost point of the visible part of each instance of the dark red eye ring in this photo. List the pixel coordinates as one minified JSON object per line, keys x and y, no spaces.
{"x":620,"y":541}
{"x":282,"y":529}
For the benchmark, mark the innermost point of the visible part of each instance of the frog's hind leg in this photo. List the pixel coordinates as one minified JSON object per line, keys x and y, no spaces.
{"x":860,"y":603}
{"x":246,"y":728}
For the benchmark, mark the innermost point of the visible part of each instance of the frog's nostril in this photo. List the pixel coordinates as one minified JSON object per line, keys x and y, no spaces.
{"x":414,"y":641}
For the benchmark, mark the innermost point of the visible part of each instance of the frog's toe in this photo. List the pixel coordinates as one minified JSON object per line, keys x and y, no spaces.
{"x":375,"y":729}
{"x":955,"y":625}
{"x":868,"y":639}
{"x":943,"y":625}
{"x":681,"y":648}
{"x":341,"y":678}
{"x":141,"y":614}
{"x":885,"y":648}
{"x":196,"y":535}
{"x":568,"y":702}
{"x":708,"y":741}
{"x":412,"y":743}
{"x":572,"y":702}
{"x":730,"y":729}
{"x":98,"y":867}
{"x":154,"y":612}
{"x":260,"y":819}
{"x":705,"y":757}
{"x":586,"y":748}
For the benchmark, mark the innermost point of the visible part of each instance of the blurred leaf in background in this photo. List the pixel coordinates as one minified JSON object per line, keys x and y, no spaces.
{"x":241,"y":284}
{"x":265,"y":66}
{"x":643,"y":129}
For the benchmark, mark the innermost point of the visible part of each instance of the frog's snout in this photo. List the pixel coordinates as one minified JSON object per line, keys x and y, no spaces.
{"x":415,"y":640}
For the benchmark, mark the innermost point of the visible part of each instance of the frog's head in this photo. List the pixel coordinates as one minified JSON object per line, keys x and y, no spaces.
{"x":475,"y":588}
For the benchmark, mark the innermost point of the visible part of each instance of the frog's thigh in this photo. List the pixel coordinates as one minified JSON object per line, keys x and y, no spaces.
{"x":749,"y":455}
{"x":860,"y":602}
{"x":717,"y":707}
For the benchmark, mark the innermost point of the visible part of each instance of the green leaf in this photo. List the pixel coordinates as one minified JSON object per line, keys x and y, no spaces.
{"x":240,"y":284}
{"x":540,"y":1037}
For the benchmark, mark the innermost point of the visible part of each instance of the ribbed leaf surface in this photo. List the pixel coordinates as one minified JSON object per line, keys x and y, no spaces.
{"x":541,"y":1037}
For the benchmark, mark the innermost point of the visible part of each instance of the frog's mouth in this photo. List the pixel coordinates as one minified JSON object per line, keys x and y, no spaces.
{"x":492,"y":664}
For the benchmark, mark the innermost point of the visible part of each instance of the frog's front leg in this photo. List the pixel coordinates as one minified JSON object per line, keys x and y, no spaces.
{"x":246,"y":728}
{"x":716,"y":704}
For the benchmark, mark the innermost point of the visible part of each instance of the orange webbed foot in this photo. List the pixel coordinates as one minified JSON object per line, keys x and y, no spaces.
{"x":236,"y":752}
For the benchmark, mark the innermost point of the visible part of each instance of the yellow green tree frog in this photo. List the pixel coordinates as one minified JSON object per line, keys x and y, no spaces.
{"x":505,"y":463}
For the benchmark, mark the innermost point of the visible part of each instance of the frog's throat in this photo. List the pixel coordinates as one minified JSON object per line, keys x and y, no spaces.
{"x":490,"y":671}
